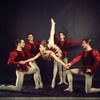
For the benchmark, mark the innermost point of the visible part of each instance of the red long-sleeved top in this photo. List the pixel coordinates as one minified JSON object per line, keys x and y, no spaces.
{"x":88,"y":58}
{"x":64,"y":45}
{"x":15,"y":57}
{"x":31,"y":49}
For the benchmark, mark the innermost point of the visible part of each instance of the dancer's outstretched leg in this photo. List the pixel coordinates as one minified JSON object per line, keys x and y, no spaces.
{"x":51,"y":39}
{"x":51,"y":42}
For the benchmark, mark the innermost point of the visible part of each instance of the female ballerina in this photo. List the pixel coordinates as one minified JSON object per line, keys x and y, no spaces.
{"x":49,"y":51}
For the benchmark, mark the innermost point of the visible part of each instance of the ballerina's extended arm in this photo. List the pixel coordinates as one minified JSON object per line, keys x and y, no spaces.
{"x":57,"y":59}
{"x":31,"y":59}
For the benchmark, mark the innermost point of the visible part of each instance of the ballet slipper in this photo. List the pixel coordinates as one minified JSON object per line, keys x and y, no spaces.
{"x":53,"y":84}
{"x":2,"y":87}
{"x":69,"y":90}
{"x":41,"y":85}
{"x":60,"y":82}
{"x":37,"y":87}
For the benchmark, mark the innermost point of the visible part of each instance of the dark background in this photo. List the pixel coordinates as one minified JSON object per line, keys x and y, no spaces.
{"x":77,"y":18}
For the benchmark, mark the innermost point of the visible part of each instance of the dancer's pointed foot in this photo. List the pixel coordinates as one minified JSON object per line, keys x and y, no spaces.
{"x":69,"y":90}
{"x":41,"y":85}
{"x":53,"y":84}
{"x":61,"y":82}
{"x":2,"y":87}
{"x":52,"y":21}
{"x":37,"y":87}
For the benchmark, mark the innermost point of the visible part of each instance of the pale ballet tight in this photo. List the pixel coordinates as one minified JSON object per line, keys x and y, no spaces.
{"x":51,"y":42}
{"x":62,"y":72}
{"x":51,"y":39}
{"x":20,"y":78}
{"x":88,"y":81}
{"x":54,"y":74}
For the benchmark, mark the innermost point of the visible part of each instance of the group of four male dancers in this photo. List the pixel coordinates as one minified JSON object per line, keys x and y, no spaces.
{"x":55,"y":49}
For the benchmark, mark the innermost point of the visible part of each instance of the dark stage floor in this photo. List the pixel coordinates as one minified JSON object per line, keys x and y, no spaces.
{"x":28,"y":90}
{"x":49,"y":98}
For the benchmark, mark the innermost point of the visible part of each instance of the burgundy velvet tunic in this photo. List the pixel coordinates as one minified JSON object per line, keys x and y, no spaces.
{"x":32,"y":49}
{"x":15,"y":57}
{"x":64,"y":45}
{"x":88,"y":59}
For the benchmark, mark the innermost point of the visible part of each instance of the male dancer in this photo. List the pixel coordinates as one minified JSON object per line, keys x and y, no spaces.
{"x":63,"y":44}
{"x":49,"y":51}
{"x":15,"y":57}
{"x":31,"y":49}
{"x":88,"y":57}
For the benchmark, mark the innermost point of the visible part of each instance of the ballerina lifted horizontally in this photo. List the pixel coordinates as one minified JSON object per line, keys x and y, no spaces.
{"x":49,"y":51}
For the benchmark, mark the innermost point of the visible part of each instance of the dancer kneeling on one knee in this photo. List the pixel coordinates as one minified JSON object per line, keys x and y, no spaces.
{"x":89,"y":56}
{"x":49,"y":51}
{"x":15,"y":57}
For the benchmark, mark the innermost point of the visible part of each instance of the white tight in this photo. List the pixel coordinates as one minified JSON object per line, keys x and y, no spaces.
{"x":20,"y":77}
{"x":37,"y":75}
{"x":55,"y":71}
{"x":88,"y":80}
{"x":51,"y":41}
{"x":62,"y":70}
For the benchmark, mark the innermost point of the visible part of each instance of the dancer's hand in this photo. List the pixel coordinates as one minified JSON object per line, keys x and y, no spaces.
{"x":68,"y":65}
{"x":22,"y":62}
{"x":88,"y":70}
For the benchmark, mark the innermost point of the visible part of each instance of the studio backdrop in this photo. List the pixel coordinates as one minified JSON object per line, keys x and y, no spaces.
{"x":78,"y":19}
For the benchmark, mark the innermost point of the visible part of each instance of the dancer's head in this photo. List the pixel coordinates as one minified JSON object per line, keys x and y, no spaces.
{"x":61,"y":35}
{"x":20,"y":42}
{"x":43,"y":46}
{"x":30,"y":36}
{"x":86,"y":43}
